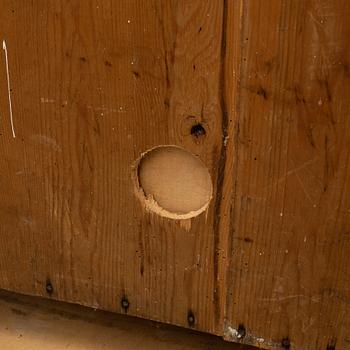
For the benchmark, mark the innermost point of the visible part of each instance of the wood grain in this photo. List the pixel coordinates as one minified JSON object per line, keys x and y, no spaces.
{"x":289,"y":273}
{"x":95,"y":84}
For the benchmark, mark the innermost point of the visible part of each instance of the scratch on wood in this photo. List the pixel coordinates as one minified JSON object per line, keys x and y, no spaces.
{"x":307,"y":195}
{"x":4,"y":47}
{"x":293,"y":171}
{"x":313,"y":298}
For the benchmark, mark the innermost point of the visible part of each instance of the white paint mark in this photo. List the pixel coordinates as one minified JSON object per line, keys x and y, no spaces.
{"x":8,"y":86}
{"x":226,"y":140}
{"x":232,"y":332}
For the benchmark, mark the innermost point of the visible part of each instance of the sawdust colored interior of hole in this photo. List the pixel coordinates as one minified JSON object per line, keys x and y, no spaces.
{"x":173,"y":182}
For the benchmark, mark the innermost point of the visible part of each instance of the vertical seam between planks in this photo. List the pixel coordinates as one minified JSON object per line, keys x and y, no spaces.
{"x":222,"y":163}
{"x":238,"y":68}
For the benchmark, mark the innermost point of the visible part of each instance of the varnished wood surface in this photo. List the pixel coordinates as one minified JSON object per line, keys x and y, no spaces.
{"x":289,"y":277}
{"x":95,"y":84}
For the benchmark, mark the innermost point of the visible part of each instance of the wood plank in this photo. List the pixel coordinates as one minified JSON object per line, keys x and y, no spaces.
{"x":94,"y":85}
{"x":289,"y":277}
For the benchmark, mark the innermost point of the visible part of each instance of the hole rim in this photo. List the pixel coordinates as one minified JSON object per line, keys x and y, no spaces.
{"x":151,"y":204}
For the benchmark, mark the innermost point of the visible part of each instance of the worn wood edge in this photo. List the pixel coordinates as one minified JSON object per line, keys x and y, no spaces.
{"x":26,"y":308}
{"x":236,"y":336}
{"x":42,"y":298}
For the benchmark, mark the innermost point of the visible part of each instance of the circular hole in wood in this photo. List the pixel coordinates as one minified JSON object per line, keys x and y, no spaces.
{"x":173,"y":182}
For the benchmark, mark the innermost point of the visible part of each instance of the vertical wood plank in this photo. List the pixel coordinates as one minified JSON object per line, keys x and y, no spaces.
{"x":289,"y":270}
{"x":95,"y":84}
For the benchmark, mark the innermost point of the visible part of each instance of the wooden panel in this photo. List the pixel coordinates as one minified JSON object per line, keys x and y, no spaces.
{"x":94,"y":84}
{"x":289,"y":277}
